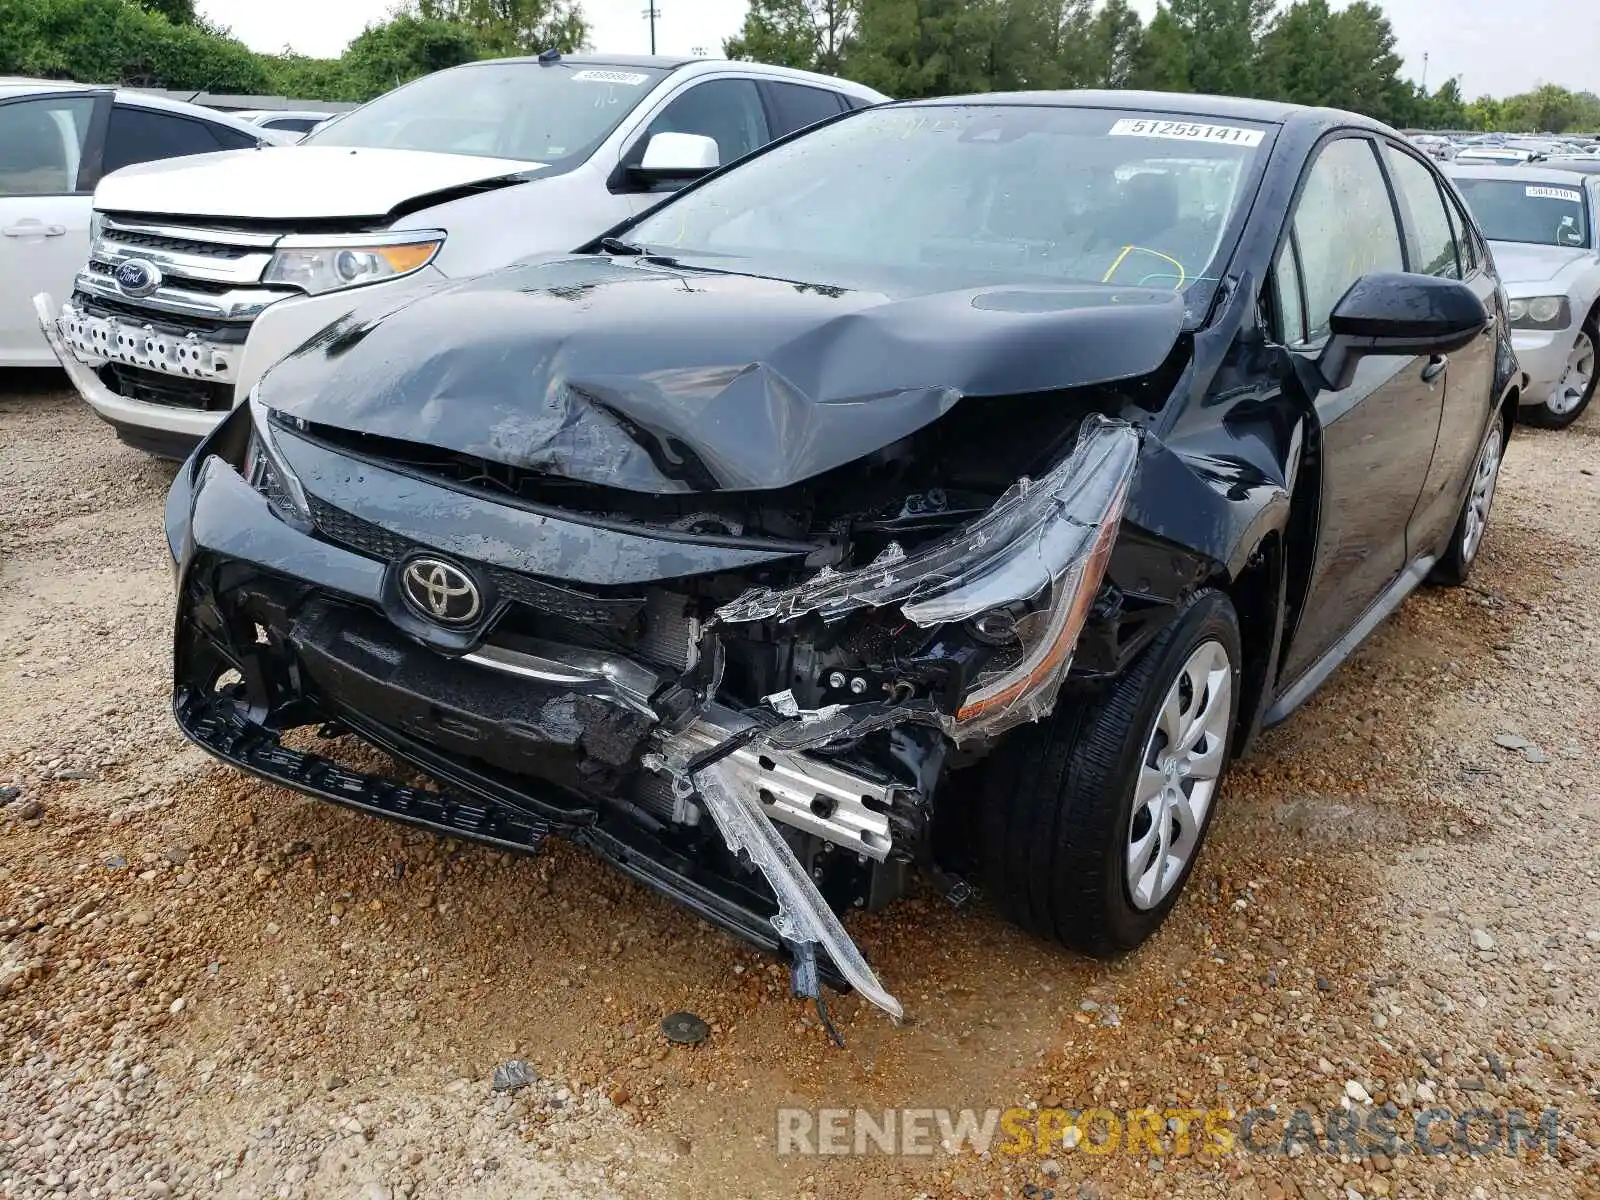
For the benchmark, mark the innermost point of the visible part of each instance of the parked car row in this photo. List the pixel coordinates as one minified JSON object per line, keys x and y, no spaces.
{"x":205,"y":271}
{"x":781,"y":492}
{"x":1504,"y":148}
{"x":57,"y":141}
{"x":1543,"y":225}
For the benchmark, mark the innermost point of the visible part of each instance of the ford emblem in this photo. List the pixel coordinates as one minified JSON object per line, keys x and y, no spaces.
{"x":137,"y":277}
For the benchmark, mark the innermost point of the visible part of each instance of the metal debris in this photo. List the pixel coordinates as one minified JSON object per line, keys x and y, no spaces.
{"x":512,"y":1076}
{"x":685,"y":1029}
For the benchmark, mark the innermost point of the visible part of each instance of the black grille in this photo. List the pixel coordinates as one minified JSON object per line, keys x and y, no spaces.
{"x":173,"y":391}
{"x":178,"y":245}
{"x":541,"y":596}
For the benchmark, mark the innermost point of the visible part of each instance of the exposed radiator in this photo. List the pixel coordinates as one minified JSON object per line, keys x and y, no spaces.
{"x":671,"y":635}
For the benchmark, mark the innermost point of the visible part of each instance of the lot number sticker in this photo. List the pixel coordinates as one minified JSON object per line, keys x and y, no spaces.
{"x":628,"y":78}
{"x":1186,"y":131}
{"x":1555,"y":193}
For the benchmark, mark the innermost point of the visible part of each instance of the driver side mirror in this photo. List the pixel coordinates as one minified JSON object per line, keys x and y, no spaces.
{"x":677,"y":159}
{"x":1394,"y":313}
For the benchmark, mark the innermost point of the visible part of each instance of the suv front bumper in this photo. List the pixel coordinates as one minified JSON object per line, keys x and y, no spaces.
{"x":173,"y":430}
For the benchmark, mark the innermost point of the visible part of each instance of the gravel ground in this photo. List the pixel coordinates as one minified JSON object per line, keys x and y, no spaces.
{"x":209,"y":986}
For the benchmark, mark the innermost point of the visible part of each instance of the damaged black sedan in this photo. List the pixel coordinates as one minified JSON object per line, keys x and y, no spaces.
{"x":955,"y":488}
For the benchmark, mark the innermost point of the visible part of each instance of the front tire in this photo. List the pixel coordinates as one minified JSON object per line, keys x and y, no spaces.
{"x":1572,"y":395}
{"x":1092,"y":821}
{"x":1455,"y":565}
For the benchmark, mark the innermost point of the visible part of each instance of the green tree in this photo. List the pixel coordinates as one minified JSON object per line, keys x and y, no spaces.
{"x":1114,"y":39}
{"x":813,"y":35}
{"x":112,"y":41}
{"x":1446,"y":108}
{"x":913,"y":48}
{"x":509,"y":27}
{"x":1161,"y":61}
{"x":1312,"y":54}
{"x":1484,"y":113}
{"x":1221,"y":37}
{"x":385,"y":56}
{"x":179,"y":12}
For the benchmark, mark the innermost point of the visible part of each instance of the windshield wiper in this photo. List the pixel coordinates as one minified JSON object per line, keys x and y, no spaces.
{"x":613,"y":245}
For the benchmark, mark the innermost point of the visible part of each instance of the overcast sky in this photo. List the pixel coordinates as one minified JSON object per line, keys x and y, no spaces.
{"x":1497,"y":46}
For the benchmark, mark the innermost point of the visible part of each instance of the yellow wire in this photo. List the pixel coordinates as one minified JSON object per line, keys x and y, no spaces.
{"x":1106,"y":278}
{"x":1183,"y":275}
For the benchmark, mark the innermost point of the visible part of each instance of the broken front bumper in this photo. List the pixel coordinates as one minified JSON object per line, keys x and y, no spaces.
{"x":538,"y":738}
{"x":496,"y":729}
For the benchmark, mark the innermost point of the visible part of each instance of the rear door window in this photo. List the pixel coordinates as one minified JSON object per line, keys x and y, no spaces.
{"x":795,"y":106}
{"x":138,"y":135}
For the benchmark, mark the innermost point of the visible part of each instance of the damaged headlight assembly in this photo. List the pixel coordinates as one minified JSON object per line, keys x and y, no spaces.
{"x":1023,"y":577}
{"x":1025,"y":573}
{"x":265,"y":469}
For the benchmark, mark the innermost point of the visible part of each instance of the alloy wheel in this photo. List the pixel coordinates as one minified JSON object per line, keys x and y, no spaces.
{"x":1576,"y":379}
{"x":1481,"y":498}
{"x":1183,"y":761}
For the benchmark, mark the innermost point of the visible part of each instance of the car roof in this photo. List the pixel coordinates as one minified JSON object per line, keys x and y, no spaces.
{"x":13,"y":87}
{"x":1232,"y":108}
{"x":20,"y":85}
{"x":1534,"y":174}
{"x":700,"y":66}
{"x":661,"y":62}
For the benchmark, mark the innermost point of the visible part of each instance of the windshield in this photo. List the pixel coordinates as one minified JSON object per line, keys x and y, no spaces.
{"x":1517,"y":210}
{"x":938,"y":198}
{"x":531,"y":112}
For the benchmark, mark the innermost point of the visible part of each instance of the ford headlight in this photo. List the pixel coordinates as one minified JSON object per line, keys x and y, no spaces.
{"x":329,"y":264}
{"x":1540,"y":312}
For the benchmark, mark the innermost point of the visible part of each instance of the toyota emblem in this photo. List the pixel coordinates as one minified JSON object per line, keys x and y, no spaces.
{"x":137,"y":277}
{"x":440,"y":591}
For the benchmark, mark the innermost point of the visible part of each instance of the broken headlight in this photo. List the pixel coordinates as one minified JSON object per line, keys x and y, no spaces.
{"x":1038,"y":556}
{"x":265,"y":469}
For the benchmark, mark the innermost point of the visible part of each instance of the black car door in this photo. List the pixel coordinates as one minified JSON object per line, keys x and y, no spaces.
{"x":1377,"y":435}
{"x":1441,"y":244}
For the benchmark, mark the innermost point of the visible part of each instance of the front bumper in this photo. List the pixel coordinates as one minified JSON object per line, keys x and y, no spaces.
{"x":174,"y":430}
{"x":167,"y":430}
{"x":479,"y":735}
{"x":299,"y":604}
{"x":1542,"y":354}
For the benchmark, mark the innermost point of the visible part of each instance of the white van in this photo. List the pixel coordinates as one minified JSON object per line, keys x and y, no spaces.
{"x":205,"y":271}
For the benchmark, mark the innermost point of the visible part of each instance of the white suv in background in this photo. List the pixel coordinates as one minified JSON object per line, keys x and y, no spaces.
{"x":205,"y":272}
{"x":56,"y":141}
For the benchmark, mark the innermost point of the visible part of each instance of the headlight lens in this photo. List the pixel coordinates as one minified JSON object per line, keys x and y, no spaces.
{"x":265,"y":469}
{"x":333,"y":264}
{"x":1540,"y":312}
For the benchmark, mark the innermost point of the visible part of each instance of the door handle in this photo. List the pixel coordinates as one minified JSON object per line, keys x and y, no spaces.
{"x":1435,"y":368}
{"x":34,"y":229}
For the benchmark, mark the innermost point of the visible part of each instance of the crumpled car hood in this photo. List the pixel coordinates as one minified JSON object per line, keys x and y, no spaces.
{"x":636,"y":375}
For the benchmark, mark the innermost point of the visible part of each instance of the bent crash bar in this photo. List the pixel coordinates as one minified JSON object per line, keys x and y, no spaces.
{"x":1048,"y":537}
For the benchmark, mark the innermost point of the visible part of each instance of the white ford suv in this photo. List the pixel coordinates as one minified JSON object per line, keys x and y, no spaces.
{"x":205,"y":271}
